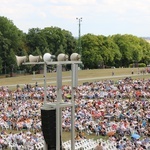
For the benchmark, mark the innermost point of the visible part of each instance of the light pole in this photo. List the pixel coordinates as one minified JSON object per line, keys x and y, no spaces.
{"x":79,"y":38}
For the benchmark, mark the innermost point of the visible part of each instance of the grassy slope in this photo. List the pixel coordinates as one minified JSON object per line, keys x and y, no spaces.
{"x":82,"y":74}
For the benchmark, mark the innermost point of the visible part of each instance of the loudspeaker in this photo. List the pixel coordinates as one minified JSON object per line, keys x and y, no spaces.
{"x":35,"y":58}
{"x":48,"y":57}
{"x":48,"y":118}
{"x":75,"y":57}
{"x":21,"y":59}
{"x":62,"y":57}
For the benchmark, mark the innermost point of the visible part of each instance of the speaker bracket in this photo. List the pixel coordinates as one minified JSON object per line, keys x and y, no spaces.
{"x":75,"y":61}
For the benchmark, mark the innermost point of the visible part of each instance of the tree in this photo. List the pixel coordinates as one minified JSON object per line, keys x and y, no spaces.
{"x":59,"y":40}
{"x":10,"y":40}
{"x":50,"y":39}
{"x":91,"y":55}
{"x":129,"y":47}
{"x":11,"y":60}
{"x":36,"y":39}
{"x":1,"y":67}
{"x":99,"y":51}
{"x":69,"y":45}
{"x":109,"y":51}
{"x":145,"y":47}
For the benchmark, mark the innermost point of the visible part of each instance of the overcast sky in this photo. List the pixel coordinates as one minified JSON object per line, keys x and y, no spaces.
{"x":99,"y":17}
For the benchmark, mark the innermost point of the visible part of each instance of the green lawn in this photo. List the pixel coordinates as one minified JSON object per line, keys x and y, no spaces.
{"x":83,"y":76}
{"x":67,"y":136}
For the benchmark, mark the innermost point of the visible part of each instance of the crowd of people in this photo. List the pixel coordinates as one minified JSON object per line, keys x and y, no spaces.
{"x":119,"y":110}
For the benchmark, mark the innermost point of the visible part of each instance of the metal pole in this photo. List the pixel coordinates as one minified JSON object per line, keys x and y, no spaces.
{"x":79,"y":40}
{"x":74,"y":85}
{"x":45,"y":97}
{"x":79,"y":37}
{"x":58,"y":110}
{"x":59,"y":83}
{"x":57,"y":127}
{"x":45,"y":146}
{"x":45,"y":87}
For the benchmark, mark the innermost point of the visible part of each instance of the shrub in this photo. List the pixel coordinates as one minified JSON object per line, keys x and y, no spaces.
{"x":137,"y":65}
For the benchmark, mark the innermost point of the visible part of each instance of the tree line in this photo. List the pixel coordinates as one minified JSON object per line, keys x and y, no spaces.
{"x":98,"y":51}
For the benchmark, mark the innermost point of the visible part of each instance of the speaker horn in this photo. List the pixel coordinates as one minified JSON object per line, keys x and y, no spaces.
{"x":48,"y":57}
{"x":62,"y":57}
{"x":75,"y":57}
{"x":20,"y":59}
{"x":35,"y":58}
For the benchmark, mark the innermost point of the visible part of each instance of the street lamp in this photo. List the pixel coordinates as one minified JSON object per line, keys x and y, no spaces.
{"x":79,"y":39}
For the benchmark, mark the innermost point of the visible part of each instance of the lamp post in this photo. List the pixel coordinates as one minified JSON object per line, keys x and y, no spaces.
{"x":79,"y":39}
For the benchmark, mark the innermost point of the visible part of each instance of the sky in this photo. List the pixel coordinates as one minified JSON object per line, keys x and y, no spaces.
{"x":99,"y":17}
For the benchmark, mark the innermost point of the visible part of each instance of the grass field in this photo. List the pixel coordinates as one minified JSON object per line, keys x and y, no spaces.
{"x":83,"y":76}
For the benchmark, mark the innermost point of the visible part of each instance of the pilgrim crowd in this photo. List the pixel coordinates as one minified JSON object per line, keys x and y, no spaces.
{"x":119,"y":110}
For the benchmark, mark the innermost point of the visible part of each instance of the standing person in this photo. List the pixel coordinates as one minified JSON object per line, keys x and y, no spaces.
{"x":99,"y":147}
